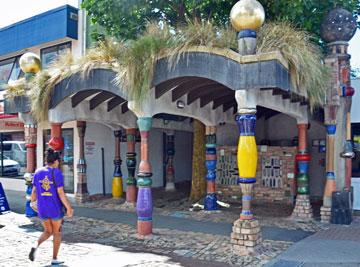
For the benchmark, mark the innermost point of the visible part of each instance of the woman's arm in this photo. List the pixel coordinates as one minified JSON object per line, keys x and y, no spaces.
{"x":65,"y":201}
{"x":33,"y":194}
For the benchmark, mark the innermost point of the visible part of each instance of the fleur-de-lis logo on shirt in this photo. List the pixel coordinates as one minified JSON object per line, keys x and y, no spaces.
{"x":46,"y":183}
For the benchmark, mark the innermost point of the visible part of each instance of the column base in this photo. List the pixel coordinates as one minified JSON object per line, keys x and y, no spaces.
{"x":144,"y":228}
{"x":81,"y":198}
{"x":302,"y":208}
{"x":325,"y":214}
{"x":170,"y":186}
{"x":245,"y":237}
{"x":210,"y":202}
{"x":131,"y":193}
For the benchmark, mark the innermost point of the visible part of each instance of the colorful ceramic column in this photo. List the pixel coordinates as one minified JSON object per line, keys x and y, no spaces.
{"x":81,"y":186}
{"x":144,"y":205}
{"x":30,"y":144}
{"x":56,"y":142}
{"x":170,"y":152}
{"x":117,"y":184}
{"x":247,"y":161}
{"x":302,"y":159}
{"x":302,"y":207}
{"x":337,"y":29}
{"x":330,"y":185}
{"x":30,"y":64}
{"x":210,"y":163}
{"x":131,"y":165}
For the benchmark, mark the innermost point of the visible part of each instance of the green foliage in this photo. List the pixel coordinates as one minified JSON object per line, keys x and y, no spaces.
{"x":126,"y":19}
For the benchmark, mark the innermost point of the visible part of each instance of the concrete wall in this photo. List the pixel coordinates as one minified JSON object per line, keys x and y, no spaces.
{"x":103,"y":138}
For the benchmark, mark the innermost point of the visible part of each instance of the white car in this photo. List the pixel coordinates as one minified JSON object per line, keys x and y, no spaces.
{"x":11,"y":167}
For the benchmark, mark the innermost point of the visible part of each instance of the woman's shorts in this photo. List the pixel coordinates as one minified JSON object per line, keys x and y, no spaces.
{"x":54,"y":219}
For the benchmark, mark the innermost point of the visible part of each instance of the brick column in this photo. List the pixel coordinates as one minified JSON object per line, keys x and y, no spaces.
{"x":302,"y":208}
{"x":117,"y":184}
{"x":81,"y":187}
{"x":210,"y":163}
{"x":131,"y":166}
{"x":170,"y":152}
{"x":144,"y":205}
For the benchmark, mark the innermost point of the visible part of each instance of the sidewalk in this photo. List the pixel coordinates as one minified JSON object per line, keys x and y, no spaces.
{"x":337,"y":246}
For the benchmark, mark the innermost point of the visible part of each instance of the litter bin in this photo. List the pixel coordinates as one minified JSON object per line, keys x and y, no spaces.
{"x":341,"y":210}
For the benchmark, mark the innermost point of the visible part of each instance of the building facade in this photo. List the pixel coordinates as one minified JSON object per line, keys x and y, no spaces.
{"x":107,"y":140}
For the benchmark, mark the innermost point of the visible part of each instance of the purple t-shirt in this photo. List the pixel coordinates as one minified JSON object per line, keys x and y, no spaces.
{"x":48,"y":201}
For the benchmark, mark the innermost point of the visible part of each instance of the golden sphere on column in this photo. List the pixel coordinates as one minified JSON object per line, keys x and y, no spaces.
{"x":247,"y":14}
{"x":30,"y":63}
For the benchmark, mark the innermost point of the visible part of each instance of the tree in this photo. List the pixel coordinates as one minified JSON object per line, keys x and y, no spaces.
{"x":198,"y":182}
{"x":126,"y":19}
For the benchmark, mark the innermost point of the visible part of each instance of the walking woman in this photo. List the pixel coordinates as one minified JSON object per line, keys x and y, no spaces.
{"x":49,"y":193}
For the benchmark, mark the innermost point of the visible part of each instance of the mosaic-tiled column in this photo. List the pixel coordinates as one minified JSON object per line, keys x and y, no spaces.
{"x":131,"y":166}
{"x":302,"y":207}
{"x":144,"y":205}
{"x":30,"y":144}
{"x":247,"y":161}
{"x":81,"y":186}
{"x":210,"y":163}
{"x":117,"y":184}
{"x":330,"y":185}
{"x":170,"y":152}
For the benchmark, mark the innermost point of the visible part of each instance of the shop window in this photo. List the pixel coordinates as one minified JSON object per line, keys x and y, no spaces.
{"x":67,"y":165}
{"x":48,"y":55}
{"x":356,"y":141}
{"x":9,"y":70}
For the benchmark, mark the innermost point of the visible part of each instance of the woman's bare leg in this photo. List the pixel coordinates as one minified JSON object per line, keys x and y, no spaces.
{"x":56,"y":226}
{"x":48,"y":231}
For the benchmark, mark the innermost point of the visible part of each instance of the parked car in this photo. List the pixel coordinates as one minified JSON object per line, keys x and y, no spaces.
{"x":11,"y":167}
{"x":15,"y":150}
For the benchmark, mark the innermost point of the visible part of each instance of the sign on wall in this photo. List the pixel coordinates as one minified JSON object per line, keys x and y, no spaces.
{"x":89,"y":147}
{"x":11,"y":126}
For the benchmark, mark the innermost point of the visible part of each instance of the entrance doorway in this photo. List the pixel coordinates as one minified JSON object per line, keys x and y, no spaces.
{"x":67,"y":157}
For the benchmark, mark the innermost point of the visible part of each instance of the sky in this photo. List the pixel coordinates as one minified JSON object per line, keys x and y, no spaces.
{"x":11,"y":13}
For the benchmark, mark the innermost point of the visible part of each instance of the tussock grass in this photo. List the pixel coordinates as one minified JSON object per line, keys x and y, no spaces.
{"x":308,"y":74}
{"x":134,"y":61}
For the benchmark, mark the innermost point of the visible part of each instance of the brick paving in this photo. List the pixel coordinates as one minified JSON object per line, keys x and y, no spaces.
{"x":83,"y":236}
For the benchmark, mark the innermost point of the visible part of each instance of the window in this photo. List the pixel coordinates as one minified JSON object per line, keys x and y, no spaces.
{"x":356,"y":141}
{"x":10,"y":70}
{"x":49,"y":54}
